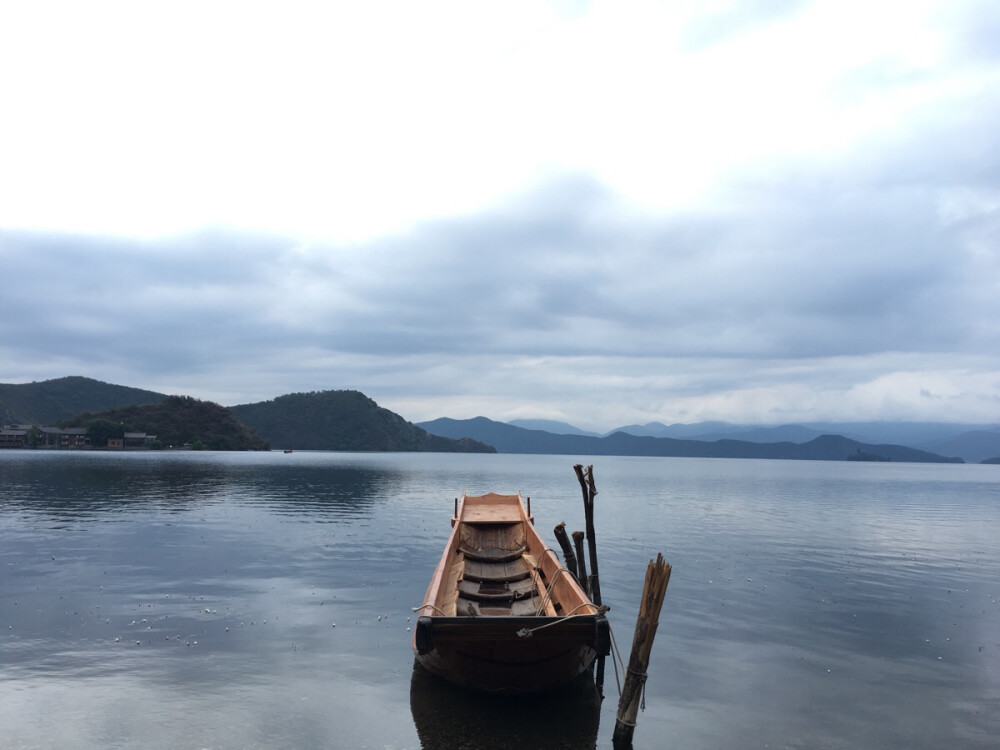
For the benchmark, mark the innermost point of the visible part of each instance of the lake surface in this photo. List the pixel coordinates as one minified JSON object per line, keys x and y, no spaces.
{"x":257,"y":600}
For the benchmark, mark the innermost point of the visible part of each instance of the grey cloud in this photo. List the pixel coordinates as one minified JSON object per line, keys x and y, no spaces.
{"x":557,"y":295}
{"x":804,"y":274}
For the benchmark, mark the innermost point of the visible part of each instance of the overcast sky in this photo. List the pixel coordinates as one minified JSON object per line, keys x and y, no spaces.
{"x":603,"y":213}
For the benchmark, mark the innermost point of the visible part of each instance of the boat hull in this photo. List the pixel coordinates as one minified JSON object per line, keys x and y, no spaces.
{"x":510,"y":654}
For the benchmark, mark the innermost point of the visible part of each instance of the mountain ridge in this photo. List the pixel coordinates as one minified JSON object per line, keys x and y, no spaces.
{"x":508,"y":438}
{"x":50,"y":401}
{"x":343,"y":421}
{"x":60,"y":399}
{"x":324,"y":420}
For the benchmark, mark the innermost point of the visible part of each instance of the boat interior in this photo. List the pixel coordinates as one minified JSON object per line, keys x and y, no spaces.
{"x":495,"y":567}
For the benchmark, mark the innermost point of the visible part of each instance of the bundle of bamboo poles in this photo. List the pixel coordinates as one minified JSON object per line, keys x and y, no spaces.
{"x":653,"y":593}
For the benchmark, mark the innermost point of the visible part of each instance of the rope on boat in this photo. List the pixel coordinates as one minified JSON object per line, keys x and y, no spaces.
{"x":616,"y":656}
{"x":436,"y":609}
{"x":548,"y":591}
{"x":528,"y":632}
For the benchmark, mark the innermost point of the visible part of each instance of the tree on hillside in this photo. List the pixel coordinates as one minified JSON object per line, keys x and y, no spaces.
{"x":99,"y":430}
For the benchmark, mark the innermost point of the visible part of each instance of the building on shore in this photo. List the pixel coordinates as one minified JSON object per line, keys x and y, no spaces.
{"x":55,"y":438}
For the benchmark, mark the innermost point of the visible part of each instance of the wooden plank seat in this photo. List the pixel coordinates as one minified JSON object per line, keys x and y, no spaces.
{"x":496,"y":591}
{"x":492,"y":554}
{"x":514,"y":570}
{"x":493,"y":542}
{"x":517,"y":608}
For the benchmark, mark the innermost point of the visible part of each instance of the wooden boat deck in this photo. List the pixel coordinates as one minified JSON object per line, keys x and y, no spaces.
{"x":497,"y":576}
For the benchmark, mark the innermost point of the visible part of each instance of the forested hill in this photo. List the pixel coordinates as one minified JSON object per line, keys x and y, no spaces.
{"x":325,"y":420}
{"x":51,"y":401}
{"x":176,"y":421}
{"x":343,"y":421}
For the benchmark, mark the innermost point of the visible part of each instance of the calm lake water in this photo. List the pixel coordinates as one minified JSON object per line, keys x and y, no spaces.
{"x":212,"y":600}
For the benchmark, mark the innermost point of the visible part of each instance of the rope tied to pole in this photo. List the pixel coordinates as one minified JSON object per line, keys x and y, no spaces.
{"x":641,"y":676}
{"x":633,"y":697}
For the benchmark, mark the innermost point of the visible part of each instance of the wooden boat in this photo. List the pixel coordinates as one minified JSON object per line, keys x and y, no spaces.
{"x":502,"y":613}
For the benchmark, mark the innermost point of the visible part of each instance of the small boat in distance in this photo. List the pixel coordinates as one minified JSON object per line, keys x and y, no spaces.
{"x":288,"y":450}
{"x":502,"y":613}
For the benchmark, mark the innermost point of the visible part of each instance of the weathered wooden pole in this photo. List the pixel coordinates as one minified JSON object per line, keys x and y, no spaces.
{"x":589,"y":490}
{"x":655,"y":588}
{"x":581,"y":561}
{"x":563,"y":538}
{"x":593,"y":586}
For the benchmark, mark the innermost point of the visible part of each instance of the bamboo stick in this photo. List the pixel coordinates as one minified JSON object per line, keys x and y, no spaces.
{"x":653,"y":592}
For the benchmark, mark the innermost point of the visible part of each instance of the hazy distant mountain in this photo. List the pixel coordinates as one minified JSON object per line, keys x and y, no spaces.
{"x":915,"y":434}
{"x":551,"y":425}
{"x":711,"y":431}
{"x":506,"y":438}
{"x":51,"y":401}
{"x":510,"y":439}
{"x":694,"y":431}
{"x":789,"y":433}
{"x":343,"y":421}
{"x":972,"y":443}
{"x":974,"y":446}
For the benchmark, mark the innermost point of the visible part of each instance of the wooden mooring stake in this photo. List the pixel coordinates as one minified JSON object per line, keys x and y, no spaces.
{"x":563,"y":538}
{"x":581,"y":561}
{"x":653,"y":592}
{"x":589,"y":490}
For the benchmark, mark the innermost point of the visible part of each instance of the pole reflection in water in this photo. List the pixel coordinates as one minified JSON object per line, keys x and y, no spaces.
{"x":450,"y":718}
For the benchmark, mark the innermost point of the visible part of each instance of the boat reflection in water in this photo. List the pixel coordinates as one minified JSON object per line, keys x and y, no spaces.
{"x":447,"y":716}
